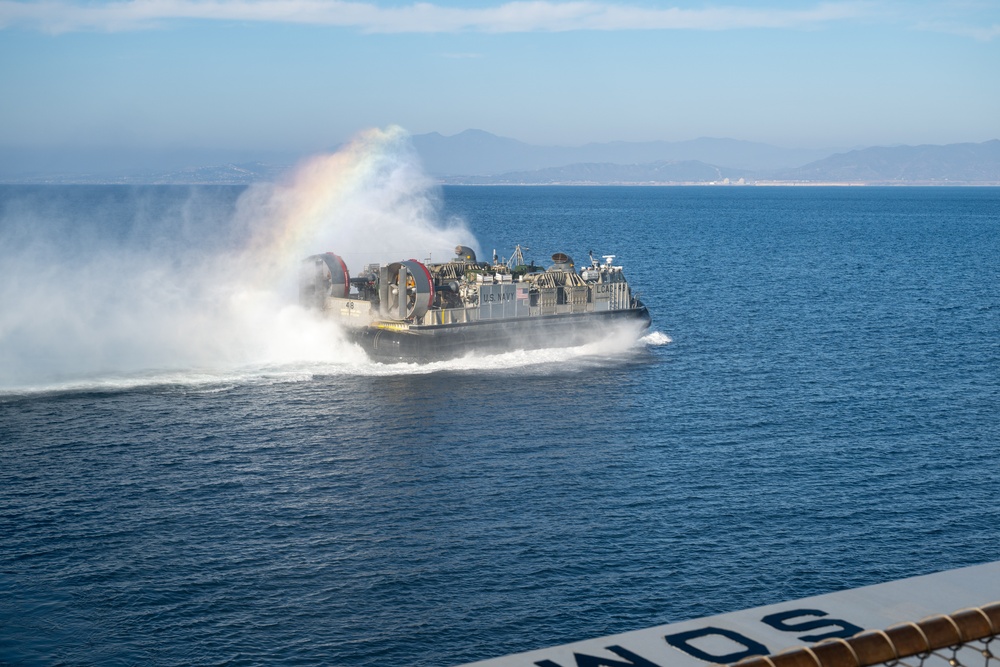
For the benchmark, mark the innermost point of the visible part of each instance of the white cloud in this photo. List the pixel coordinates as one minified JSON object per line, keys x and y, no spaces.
{"x":58,"y":16}
{"x":981,"y":33}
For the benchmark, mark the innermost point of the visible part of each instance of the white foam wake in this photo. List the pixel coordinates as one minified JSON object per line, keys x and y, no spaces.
{"x":656,"y":338}
{"x":333,"y":356}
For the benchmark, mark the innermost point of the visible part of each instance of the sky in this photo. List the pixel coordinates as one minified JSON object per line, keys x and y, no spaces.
{"x":306,"y":75}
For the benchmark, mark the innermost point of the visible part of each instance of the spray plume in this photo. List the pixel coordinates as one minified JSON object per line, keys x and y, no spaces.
{"x":368,"y":202}
{"x":103,"y":308}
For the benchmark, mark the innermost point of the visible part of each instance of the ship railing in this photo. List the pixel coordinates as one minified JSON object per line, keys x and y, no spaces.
{"x":965,"y":638}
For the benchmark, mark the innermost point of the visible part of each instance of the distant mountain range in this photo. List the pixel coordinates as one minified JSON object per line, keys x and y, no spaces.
{"x":480,"y":158}
{"x":931,"y":165}
{"x":475,"y":157}
{"x":479,"y":153}
{"x":604,"y":173}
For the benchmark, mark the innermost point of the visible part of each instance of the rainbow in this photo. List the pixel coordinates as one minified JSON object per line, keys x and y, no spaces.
{"x":370,"y":201}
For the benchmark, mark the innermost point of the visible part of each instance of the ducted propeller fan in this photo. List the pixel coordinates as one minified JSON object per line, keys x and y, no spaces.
{"x":406,"y":290}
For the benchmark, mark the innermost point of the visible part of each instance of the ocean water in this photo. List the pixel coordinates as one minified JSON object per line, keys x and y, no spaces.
{"x":193,"y":472}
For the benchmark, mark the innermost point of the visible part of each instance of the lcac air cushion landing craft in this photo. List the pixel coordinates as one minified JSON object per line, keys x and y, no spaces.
{"x":415,"y":311}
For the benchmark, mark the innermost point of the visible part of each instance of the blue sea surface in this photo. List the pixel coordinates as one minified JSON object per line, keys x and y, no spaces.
{"x":817,"y":408}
